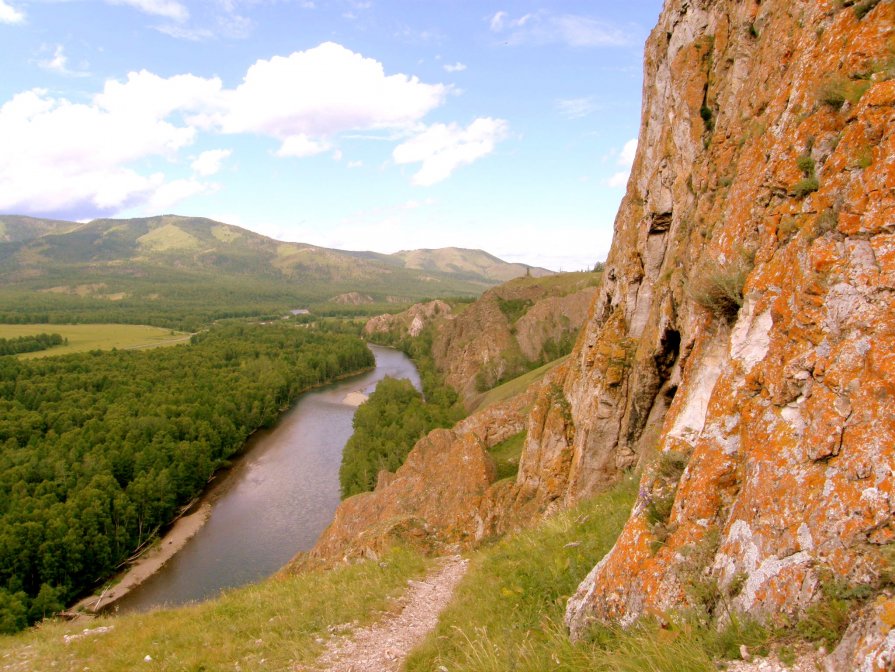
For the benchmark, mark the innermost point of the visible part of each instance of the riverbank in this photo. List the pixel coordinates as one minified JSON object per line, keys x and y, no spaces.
{"x":186,"y":526}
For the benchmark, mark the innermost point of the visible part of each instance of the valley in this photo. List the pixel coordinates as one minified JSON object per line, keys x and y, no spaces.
{"x":682,"y":460}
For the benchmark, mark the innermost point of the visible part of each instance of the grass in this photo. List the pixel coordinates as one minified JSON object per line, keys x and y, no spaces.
{"x":86,"y":337}
{"x":506,"y":455}
{"x":513,"y":387}
{"x":273,"y":625}
{"x":507,"y":612}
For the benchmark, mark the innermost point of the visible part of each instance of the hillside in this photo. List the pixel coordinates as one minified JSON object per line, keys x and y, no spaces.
{"x":469,"y":262}
{"x":510,"y":329}
{"x":120,"y":270}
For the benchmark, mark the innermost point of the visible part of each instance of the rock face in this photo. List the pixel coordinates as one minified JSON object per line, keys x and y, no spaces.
{"x":510,"y":325}
{"x":442,"y":495}
{"x":412,"y":321}
{"x":745,"y":327}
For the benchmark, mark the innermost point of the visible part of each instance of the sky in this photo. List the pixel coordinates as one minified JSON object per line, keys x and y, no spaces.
{"x":355,"y":124}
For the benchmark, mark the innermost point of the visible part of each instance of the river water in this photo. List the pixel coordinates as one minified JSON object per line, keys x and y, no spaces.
{"x":277,"y":499}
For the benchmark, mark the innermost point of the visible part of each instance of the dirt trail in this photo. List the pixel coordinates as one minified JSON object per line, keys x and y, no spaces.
{"x":383,"y":646}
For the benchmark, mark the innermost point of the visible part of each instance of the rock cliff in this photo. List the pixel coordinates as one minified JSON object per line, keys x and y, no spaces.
{"x":744,"y":328}
{"x":740,"y":346}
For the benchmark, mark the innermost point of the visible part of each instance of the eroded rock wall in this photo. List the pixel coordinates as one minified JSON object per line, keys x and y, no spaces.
{"x":765,"y":176}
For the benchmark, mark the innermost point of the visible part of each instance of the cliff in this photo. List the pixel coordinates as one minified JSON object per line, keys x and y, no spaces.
{"x":744,"y":328}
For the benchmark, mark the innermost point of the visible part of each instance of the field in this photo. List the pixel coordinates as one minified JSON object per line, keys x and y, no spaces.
{"x":85,"y":337}
{"x":513,"y":387}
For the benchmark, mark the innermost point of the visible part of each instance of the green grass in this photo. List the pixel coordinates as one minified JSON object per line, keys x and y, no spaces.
{"x":513,"y":387}
{"x":507,"y":612}
{"x":506,"y":455}
{"x":272,"y":625}
{"x":86,"y":337}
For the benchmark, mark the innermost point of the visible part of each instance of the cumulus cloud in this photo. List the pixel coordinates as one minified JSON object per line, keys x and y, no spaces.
{"x":454,"y":67}
{"x":317,"y":93}
{"x":61,"y":156}
{"x":168,"y":9}
{"x":442,"y":148}
{"x":58,"y":154}
{"x":626,"y":159}
{"x":546,"y":27}
{"x":208,"y":163}
{"x":9,"y":14}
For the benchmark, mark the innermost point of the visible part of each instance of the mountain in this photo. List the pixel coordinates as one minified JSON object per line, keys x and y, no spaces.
{"x":467,"y":262}
{"x":133,"y":268}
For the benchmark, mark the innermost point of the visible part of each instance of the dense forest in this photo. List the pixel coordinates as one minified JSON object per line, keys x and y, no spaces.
{"x":99,"y":450}
{"x":396,"y":416}
{"x":15,"y":346}
{"x":385,"y":428}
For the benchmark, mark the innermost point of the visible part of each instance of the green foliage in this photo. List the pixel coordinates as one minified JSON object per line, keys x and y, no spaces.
{"x":806,"y":164}
{"x":386,"y":427}
{"x":506,"y":455}
{"x":827,"y":619}
{"x":17,"y":345}
{"x":513,"y":309}
{"x":99,"y":450}
{"x":836,"y":90}
{"x":805,"y":186}
{"x":720,"y":288}
{"x":864,"y":7}
{"x":708,"y":117}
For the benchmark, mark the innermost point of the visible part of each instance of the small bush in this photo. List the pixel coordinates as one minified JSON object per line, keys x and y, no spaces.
{"x":806,"y":186}
{"x":825,"y":222}
{"x":720,"y":288}
{"x":708,"y":117}
{"x":838,"y":90}
{"x":806,"y":164}
{"x":864,"y":7}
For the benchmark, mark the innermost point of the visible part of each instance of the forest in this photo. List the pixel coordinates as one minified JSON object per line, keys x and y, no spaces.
{"x":385,"y":428}
{"x":15,"y":346}
{"x":100,"y":450}
{"x":396,"y":416}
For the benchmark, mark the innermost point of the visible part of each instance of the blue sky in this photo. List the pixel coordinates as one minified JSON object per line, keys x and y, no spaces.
{"x":356,"y":124}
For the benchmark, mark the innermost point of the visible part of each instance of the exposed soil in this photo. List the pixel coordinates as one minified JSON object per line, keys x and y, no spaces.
{"x":384,"y":645}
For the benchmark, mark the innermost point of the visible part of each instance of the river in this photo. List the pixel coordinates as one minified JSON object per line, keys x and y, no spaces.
{"x":275,"y":501}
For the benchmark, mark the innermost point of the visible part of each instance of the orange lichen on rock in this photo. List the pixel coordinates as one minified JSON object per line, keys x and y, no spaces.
{"x":762,"y":309}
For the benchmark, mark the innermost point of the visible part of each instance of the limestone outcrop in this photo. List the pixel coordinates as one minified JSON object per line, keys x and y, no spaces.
{"x":745,"y":325}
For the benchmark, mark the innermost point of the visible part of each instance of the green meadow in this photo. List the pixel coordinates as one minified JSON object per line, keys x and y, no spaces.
{"x":86,"y":337}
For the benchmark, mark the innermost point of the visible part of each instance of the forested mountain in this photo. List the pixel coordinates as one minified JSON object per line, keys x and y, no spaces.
{"x":181,"y":271}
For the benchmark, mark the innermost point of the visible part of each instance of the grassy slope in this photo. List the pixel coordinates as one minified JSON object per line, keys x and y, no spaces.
{"x":273,"y":625}
{"x":515,"y":386}
{"x":86,"y":337}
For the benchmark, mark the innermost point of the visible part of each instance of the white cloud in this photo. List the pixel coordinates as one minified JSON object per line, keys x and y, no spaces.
{"x":209,"y":162}
{"x":355,"y":164}
{"x":301,"y":145}
{"x":626,"y":159}
{"x":9,"y":14}
{"x":545,"y":27}
{"x":62,"y":156}
{"x":442,"y":148}
{"x":323,"y":91}
{"x":58,"y":154}
{"x":455,"y":67}
{"x":170,"y":193}
{"x":168,"y":9}
{"x":629,"y":151}
{"x":577,"y":108}
{"x":59,"y":64}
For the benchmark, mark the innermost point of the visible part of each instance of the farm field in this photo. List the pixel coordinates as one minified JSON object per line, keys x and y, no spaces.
{"x":85,"y":337}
